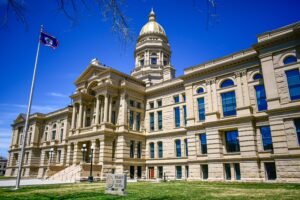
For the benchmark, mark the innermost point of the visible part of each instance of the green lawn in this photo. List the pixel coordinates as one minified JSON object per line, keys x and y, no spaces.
{"x":6,"y":177}
{"x":158,"y":191}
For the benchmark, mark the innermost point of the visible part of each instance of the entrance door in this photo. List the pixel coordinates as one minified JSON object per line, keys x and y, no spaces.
{"x":151,"y":172}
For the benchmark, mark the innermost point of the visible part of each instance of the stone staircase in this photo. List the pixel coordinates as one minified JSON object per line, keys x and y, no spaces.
{"x":70,"y":174}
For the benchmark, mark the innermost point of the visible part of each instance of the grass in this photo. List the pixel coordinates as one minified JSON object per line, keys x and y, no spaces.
{"x":158,"y":191}
{"x":6,"y":177}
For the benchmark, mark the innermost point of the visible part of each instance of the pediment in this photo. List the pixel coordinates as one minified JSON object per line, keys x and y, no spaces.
{"x":20,"y":118}
{"x":90,"y":72}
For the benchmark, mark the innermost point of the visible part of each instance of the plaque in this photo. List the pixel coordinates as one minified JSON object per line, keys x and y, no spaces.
{"x":116,"y":184}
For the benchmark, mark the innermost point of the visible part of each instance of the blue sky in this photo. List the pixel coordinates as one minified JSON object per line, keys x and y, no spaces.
{"x":239,"y":22}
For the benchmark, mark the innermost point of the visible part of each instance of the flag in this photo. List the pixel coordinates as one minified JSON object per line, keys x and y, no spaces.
{"x":49,"y":40}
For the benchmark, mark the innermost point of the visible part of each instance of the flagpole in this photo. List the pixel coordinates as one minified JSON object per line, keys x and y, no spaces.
{"x":21,"y":157}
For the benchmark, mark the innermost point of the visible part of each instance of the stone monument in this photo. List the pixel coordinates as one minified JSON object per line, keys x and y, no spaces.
{"x":116,"y":184}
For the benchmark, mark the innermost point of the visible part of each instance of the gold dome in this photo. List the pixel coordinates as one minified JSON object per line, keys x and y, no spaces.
{"x":152,"y":26}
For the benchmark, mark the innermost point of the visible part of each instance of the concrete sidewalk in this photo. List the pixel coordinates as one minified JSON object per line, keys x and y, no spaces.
{"x":12,"y":182}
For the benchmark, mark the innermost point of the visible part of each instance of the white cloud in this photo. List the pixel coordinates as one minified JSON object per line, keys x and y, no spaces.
{"x":56,"y":94}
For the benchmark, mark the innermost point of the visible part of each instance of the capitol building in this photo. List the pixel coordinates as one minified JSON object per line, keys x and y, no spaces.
{"x":235,"y":118}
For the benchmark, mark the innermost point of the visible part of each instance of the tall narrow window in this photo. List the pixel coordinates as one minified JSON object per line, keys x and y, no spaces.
{"x":184,"y":114}
{"x":227,"y":171}
{"x":203,"y":144}
{"x":160,"y":149}
{"x":139,"y":149}
{"x":293,"y":78}
{"x":204,"y":170}
{"x":201,"y":109}
{"x":113,"y":153}
{"x":229,"y":104}
{"x":297,"y":126}
{"x":186,"y":147}
{"x":153,"y":61}
{"x":178,"y":148}
{"x":151,"y":150}
{"x":183,"y":97}
{"x":176,"y":99}
{"x":178,"y":172}
{"x":237,"y":171}
{"x":131,"y":149}
{"x":113,"y":117}
{"x":159,"y":120}
{"x":232,"y":141}
{"x":266,"y":137}
{"x":177,"y":116}
{"x":61,"y":135}
{"x":53,"y":132}
{"x":261,"y":98}
{"x":142,"y":62}
{"x":58,"y":156}
{"x":160,"y":171}
{"x":270,"y":171}
{"x":138,"y":121}
{"x":151,"y":121}
{"x":131,"y":120}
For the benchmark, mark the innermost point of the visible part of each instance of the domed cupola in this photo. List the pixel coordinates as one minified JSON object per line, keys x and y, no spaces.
{"x":152,"y":54}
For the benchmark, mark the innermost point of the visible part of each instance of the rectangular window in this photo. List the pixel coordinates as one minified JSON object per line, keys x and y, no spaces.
{"x":131,"y":172}
{"x":201,"y":109}
{"x":159,"y":120}
{"x":184,"y":114}
{"x":204,"y":170}
{"x":160,"y":149}
{"x":138,"y":121}
{"x":138,"y":105}
{"x":266,"y":137}
{"x":139,"y":171}
{"x":151,"y":150}
{"x":139,"y":149}
{"x":178,"y":172}
{"x":131,"y":102}
{"x":227,"y":171}
{"x":261,"y":98}
{"x":183,"y":97}
{"x":142,"y":62}
{"x":113,"y":117}
{"x":177,"y":116}
{"x":293,"y":79}
{"x":131,"y":120}
{"x":186,"y":147}
{"x":232,"y":141}
{"x":113,"y":153}
{"x":203,"y":143}
{"x":153,"y":61}
{"x":159,"y":103}
{"x":187,"y":171}
{"x":151,"y":104}
{"x":297,"y":126}
{"x":176,"y":99}
{"x":271,"y":171}
{"x":160,"y":172}
{"x":178,"y":148}
{"x":151,"y":121}
{"x":237,"y":171}
{"x":53,"y":135}
{"x":229,"y":104}
{"x":131,"y":149}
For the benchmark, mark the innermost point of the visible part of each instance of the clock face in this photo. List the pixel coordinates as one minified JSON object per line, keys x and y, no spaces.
{"x":109,"y":181}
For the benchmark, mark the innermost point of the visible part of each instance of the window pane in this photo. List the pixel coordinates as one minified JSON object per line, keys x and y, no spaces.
{"x":229,"y":103}
{"x":257,"y":77}
{"x":151,"y":150}
{"x":176,"y":99}
{"x":131,"y":149}
{"x":178,"y":172}
{"x":186,"y":147}
{"x":159,"y":119}
{"x":232,"y":142}
{"x":178,"y":148}
{"x":227,"y":171}
{"x":297,"y":125}
{"x":201,"y":109}
{"x":204,"y":169}
{"x":266,"y":137}
{"x":184,"y":114}
{"x":261,"y":98}
{"x":138,"y":121}
{"x":151,"y":121}
{"x":237,"y":171}
{"x":160,"y":150}
{"x":227,"y":83}
{"x":177,"y":116}
{"x":270,"y":171}
{"x":200,"y":90}
{"x":203,"y":144}
{"x":131,"y":120}
{"x":153,"y":61}
{"x":289,"y":60}
{"x":293,"y":78}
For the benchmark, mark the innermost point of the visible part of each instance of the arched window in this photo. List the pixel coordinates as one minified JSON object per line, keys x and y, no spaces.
{"x":227,"y":83}
{"x":257,"y":77}
{"x":200,"y":90}
{"x":289,"y":60}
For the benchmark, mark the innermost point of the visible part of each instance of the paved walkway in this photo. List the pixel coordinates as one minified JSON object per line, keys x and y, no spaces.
{"x":12,"y":182}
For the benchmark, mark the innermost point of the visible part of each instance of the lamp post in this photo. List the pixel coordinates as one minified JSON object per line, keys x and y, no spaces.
{"x":51,"y":155}
{"x":91,"y":178}
{"x":83,"y":149}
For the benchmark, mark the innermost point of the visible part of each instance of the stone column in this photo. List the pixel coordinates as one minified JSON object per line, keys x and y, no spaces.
{"x":214,"y":95}
{"x":84,"y":115}
{"x":190,"y":118}
{"x":76,"y":154}
{"x":239,"y":92}
{"x":209,"y":98}
{"x":270,"y":82}
{"x":101,"y":110}
{"x":105,"y":108}
{"x":97,"y":110}
{"x":73,"y":116}
{"x":246,"y":88}
{"x":110,"y":109}
{"x":79,"y":122}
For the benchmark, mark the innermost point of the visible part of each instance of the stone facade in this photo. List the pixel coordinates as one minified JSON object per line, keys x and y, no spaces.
{"x":150,"y":123}
{"x":3,"y":164}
